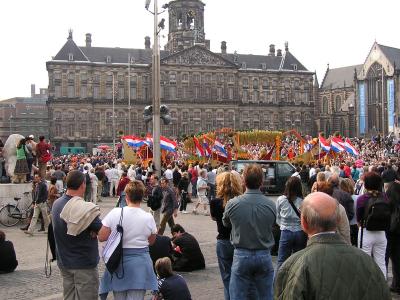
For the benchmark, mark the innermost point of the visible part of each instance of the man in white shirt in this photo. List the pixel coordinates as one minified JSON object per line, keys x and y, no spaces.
{"x":202,"y":188}
{"x":169,"y":174}
{"x":94,"y":183}
{"x":131,"y":173}
{"x":113,"y":178}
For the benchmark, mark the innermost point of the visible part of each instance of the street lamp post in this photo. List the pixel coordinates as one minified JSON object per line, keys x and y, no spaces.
{"x":156,"y":91}
{"x":10,"y":119}
{"x":383,"y":104}
{"x":113,"y":111}
{"x":129,"y":94}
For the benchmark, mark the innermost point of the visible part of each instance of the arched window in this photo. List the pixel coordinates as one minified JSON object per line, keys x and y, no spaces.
{"x":338,"y":103}
{"x":325,"y":105}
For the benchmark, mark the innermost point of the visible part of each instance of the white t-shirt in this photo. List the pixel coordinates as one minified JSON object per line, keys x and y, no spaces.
{"x":168,"y":174}
{"x":138,"y":225}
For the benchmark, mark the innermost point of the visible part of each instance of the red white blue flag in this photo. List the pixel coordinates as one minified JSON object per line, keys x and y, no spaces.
{"x":324,"y":144}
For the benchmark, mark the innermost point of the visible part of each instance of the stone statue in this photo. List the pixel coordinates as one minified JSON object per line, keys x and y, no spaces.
{"x":10,"y":154}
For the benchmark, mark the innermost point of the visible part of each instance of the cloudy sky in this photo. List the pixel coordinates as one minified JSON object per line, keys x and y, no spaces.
{"x":338,"y":32}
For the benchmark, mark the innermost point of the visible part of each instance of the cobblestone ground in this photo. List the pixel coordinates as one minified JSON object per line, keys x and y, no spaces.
{"x":29,"y":280}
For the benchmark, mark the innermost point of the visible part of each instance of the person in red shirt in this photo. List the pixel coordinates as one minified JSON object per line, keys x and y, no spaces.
{"x":347,"y":170}
{"x":43,"y":155}
{"x":122,"y":183}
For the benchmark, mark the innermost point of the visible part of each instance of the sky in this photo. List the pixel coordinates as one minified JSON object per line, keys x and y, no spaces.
{"x":338,"y":32}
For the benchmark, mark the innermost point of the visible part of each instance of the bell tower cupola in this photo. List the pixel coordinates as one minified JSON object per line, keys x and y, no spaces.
{"x":186,"y":25}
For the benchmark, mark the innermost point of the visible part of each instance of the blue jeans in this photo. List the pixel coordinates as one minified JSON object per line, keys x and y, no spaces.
{"x":225,"y":258}
{"x":252,"y":271}
{"x":290,"y":242}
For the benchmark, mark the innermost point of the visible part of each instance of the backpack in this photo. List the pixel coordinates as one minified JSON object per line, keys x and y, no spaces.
{"x":155,"y":199}
{"x":377,"y":214}
{"x":395,"y":221}
{"x":87,"y":178}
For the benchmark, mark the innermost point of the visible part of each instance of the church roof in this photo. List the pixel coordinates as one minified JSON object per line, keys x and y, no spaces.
{"x":340,"y":77}
{"x":392,"y":54}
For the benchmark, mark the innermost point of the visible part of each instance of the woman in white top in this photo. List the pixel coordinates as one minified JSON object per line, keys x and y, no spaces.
{"x":139,"y":232}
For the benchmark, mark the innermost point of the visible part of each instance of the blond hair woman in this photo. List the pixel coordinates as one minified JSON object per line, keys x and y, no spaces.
{"x":228,"y":187}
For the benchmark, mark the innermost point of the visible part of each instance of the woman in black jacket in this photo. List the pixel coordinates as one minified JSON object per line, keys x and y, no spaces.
{"x":393,"y":235}
{"x":183,"y":191}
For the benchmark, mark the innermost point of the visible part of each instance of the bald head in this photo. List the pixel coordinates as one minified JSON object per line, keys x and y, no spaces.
{"x":320,"y":213}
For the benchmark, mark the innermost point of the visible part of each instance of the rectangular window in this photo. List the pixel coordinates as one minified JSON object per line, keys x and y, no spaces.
{"x":84,"y":91}
{"x":219,"y":93}
{"x":133,"y":92}
{"x":57,"y":91}
{"x":121,"y":93}
{"x":109,"y":78}
{"x":83,"y":76}
{"x":245,"y":96}
{"x":196,"y":93}
{"x":96,"y":92}
{"x":172,"y":92}
{"x":255,"y":96}
{"x":109,"y":92}
{"x":71,"y":91}
{"x":57,"y":75}
{"x":71,"y":131}
{"x":230,"y":93}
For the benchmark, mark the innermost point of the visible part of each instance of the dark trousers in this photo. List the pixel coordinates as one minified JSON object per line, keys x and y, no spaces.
{"x":354,"y":235}
{"x":184,"y":198}
{"x":30,"y":163}
{"x":211,"y":192}
{"x":393,"y":252}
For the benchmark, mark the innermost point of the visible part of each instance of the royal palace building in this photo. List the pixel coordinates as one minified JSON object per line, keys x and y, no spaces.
{"x":204,"y":90}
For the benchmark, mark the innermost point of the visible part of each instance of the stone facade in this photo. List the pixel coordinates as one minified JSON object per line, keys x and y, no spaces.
{"x":204,"y":90}
{"x":25,"y":115}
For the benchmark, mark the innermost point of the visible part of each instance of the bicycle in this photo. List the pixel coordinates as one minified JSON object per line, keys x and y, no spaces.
{"x":11,"y":214}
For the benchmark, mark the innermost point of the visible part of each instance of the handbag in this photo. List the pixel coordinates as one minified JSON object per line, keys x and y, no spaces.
{"x":113,"y":250}
{"x":297,"y":213}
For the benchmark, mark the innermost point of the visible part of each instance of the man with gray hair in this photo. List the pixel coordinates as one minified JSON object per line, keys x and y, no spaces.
{"x":345,"y":271}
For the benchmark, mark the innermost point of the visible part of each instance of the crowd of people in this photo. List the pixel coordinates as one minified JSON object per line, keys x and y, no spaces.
{"x":335,"y":220}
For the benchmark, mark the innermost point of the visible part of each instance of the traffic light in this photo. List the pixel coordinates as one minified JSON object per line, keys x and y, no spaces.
{"x":164,"y":114}
{"x":148,"y":113}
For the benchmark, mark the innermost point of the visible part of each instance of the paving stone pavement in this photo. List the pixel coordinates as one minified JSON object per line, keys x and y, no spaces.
{"x":29,"y":280}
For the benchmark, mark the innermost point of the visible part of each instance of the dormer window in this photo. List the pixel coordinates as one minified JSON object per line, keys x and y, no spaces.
{"x":264,"y":66}
{"x":132,"y":60}
{"x":294,"y":67}
{"x":108,"y":59}
{"x":244,"y":65}
{"x":70,"y":57}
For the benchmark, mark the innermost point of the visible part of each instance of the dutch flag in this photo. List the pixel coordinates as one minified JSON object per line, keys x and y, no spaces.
{"x":149,"y":140}
{"x":324,"y":144}
{"x":350,"y":148}
{"x":133,"y":141}
{"x":167,"y":144}
{"x":337,"y":145}
{"x":220,"y":149}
